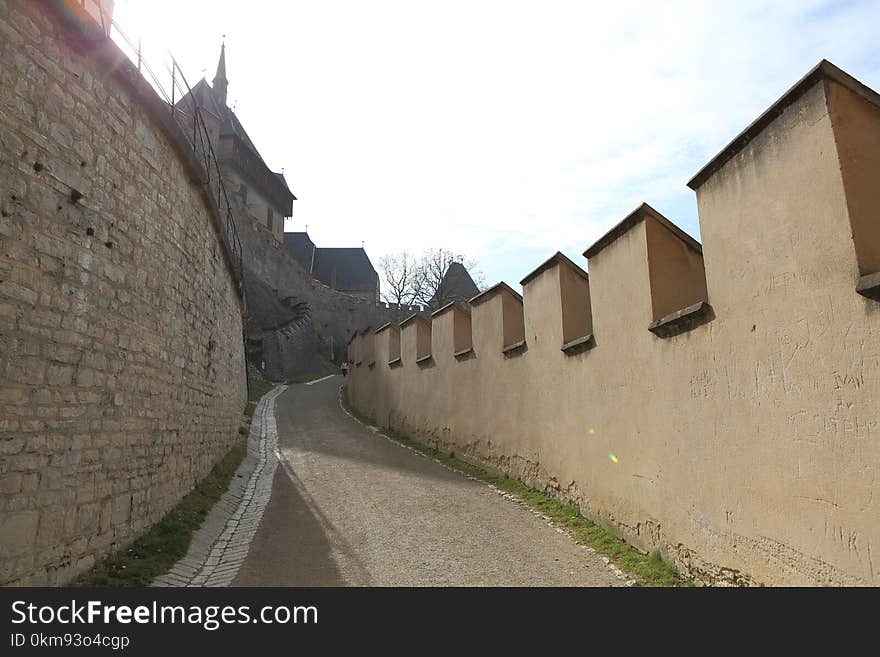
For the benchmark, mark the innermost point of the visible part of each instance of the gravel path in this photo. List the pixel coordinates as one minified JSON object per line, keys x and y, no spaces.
{"x":351,"y":508}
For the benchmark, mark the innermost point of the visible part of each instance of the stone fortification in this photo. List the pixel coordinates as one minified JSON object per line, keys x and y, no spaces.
{"x":121,"y":334}
{"x":718,"y":402}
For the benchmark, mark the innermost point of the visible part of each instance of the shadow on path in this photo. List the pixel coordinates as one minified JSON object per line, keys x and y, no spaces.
{"x":292,"y":547}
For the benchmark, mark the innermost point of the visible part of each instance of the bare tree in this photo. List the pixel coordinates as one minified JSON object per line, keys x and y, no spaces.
{"x":425,"y":282}
{"x":435,"y":288}
{"x":400,"y":272}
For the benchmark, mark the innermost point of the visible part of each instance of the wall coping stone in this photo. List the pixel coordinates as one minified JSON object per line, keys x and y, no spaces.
{"x":555,"y":260}
{"x":680,"y":320}
{"x":492,"y":291}
{"x":633,"y":219}
{"x":449,"y":306}
{"x":515,"y":349}
{"x":579,"y":344}
{"x":824,"y":70}
{"x":869,"y":286}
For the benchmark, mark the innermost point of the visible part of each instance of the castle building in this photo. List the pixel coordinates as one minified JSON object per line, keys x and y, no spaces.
{"x":254,"y":189}
{"x":345,"y":269}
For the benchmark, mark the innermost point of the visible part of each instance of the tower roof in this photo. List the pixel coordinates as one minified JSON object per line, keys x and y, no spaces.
{"x":221,"y":66}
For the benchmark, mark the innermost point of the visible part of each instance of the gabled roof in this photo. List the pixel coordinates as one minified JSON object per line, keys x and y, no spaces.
{"x":301,"y":248}
{"x":346,"y":269}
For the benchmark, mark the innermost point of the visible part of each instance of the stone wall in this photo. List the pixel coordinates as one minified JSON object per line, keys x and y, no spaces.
{"x":281,"y":339}
{"x":121,"y":351}
{"x":334,"y":314}
{"x":724,"y":414}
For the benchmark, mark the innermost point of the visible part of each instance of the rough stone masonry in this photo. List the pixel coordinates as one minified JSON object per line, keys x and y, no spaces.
{"x":122,"y":376}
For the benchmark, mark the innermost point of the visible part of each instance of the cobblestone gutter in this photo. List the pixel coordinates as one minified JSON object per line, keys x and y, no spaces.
{"x":221,"y":544}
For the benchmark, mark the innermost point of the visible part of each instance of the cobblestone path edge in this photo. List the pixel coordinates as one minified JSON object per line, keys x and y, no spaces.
{"x":221,"y":544}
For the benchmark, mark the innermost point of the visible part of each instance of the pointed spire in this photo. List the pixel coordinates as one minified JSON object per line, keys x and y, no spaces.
{"x":220,"y":81}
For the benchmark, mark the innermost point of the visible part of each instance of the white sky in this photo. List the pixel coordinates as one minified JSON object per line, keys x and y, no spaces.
{"x":503,"y":130}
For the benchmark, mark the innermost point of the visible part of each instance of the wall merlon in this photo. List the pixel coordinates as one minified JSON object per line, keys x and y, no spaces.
{"x":824,"y":70}
{"x":632,"y":220}
{"x":415,"y":332}
{"x":497,"y":321}
{"x":555,"y":260}
{"x":675,"y":268}
{"x":855,"y":120}
{"x":557,"y":304}
{"x":498,"y":288}
{"x":734,"y":382}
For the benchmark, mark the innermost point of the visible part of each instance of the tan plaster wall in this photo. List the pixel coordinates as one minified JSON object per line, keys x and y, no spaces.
{"x":577,"y":320}
{"x":512,"y":314}
{"x":857,"y":132}
{"x":461,"y":330}
{"x":748,"y":448}
{"x":678,"y":278}
{"x":423,"y":338}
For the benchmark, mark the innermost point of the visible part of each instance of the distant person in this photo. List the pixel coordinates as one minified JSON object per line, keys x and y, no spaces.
{"x":344,"y":368}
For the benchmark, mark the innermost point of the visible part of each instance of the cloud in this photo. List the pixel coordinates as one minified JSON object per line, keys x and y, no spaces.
{"x":506,"y":130}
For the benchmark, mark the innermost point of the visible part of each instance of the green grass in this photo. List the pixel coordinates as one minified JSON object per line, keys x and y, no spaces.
{"x":646,"y":569}
{"x":257,"y":387}
{"x":167,"y":541}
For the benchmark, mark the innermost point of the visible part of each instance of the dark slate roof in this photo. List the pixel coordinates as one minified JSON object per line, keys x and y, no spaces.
{"x":352,"y":268}
{"x":457,"y":285}
{"x":232,"y":126}
{"x":300,"y":247}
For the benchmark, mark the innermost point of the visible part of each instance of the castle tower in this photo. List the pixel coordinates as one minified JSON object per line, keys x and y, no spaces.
{"x":220,"y":82}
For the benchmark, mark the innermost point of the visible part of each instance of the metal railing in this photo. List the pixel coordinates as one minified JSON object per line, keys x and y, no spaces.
{"x":192,"y":125}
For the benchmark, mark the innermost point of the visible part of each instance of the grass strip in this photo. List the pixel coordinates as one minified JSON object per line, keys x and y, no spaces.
{"x":646,"y":569}
{"x":257,"y":387}
{"x":167,"y":541}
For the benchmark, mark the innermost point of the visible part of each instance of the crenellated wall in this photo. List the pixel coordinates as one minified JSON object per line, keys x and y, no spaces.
{"x":718,"y":402}
{"x":122,"y":371}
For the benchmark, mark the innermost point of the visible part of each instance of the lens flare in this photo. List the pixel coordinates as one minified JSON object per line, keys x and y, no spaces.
{"x":613,"y":457}
{"x":591,"y":430}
